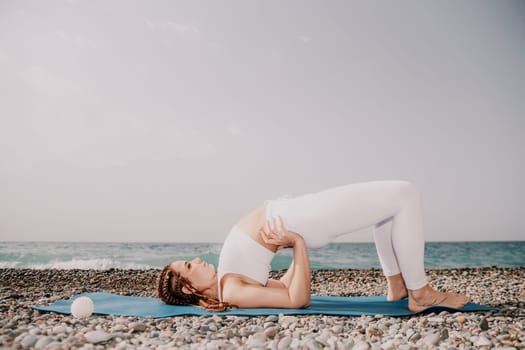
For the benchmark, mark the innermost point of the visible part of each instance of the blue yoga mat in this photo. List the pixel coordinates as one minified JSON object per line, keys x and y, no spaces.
{"x":121,"y":305}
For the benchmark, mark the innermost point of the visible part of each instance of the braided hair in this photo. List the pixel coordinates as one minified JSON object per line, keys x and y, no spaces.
{"x":169,"y":287}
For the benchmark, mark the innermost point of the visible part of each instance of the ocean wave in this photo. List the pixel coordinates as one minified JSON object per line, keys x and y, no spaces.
{"x":90,"y":264}
{"x":8,"y":264}
{"x":140,"y":256}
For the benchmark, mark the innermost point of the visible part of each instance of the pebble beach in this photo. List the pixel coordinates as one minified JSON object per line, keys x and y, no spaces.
{"x":23,"y":328}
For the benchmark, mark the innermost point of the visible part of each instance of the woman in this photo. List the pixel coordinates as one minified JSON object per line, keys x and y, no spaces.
{"x":310,"y":221}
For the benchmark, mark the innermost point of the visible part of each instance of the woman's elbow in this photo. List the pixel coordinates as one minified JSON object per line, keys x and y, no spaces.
{"x":308,"y":301}
{"x":301,"y":303}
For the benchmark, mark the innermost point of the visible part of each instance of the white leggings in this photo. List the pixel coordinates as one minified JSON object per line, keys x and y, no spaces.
{"x":393,"y":207}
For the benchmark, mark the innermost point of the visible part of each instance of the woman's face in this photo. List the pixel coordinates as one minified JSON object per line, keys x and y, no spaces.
{"x":198,"y":272}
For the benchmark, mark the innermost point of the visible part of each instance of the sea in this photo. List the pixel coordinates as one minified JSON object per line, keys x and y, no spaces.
{"x":104,"y":256}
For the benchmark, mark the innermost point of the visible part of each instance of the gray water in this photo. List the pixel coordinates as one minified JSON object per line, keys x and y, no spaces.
{"x":102,"y":256}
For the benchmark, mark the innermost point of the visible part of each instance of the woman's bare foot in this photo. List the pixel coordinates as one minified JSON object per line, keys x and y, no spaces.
{"x":423,"y":298}
{"x":396,"y":287}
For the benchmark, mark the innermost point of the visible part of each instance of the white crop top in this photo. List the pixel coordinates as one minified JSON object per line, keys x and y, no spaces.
{"x":242,"y":255}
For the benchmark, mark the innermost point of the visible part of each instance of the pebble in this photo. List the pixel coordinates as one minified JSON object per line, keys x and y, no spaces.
{"x":337,"y":329}
{"x":483,"y":324}
{"x":43,"y":342}
{"x":20,"y":327}
{"x":212,"y":346}
{"x":431,"y":339}
{"x":361,"y":345}
{"x":388,"y":345}
{"x":270,"y":332}
{"x":372,"y":332}
{"x":483,"y":341}
{"x":96,"y":337}
{"x":121,"y":346}
{"x":257,"y":340}
{"x":284,"y":343}
{"x":59,"y":329}
{"x":137,"y":327}
{"x":312,"y":344}
{"x":461,"y":319}
{"x":443,"y":334}
{"x":271,"y":318}
{"x":28,"y":341}
{"x":286,"y":321}
{"x":412,"y":335}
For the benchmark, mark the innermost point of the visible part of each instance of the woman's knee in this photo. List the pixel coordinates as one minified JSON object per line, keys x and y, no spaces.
{"x":408,"y":190}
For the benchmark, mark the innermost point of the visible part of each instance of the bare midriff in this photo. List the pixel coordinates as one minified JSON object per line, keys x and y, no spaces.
{"x":252,"y":223}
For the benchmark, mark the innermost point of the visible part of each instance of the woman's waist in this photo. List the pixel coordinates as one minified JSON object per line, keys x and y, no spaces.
{"x":247,"y":244}
{"x":252,"y":223}
{"x":242,"y":255}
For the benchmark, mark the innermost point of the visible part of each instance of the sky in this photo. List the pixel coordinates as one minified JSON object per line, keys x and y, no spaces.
{"x":167,"y":121}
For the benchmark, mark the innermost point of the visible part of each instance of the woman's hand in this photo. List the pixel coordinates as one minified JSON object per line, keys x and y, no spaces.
{"x":275,"y":233}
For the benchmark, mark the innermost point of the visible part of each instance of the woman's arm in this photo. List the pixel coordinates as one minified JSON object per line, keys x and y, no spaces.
{"x":299,"y":284}
{"x":284,"y":281}
{"x":276,"y":233}
{"x":296,"y":294}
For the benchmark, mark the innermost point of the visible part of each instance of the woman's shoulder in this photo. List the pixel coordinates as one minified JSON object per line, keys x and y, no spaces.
{"x":230,"y":284}
{"x":230,"y":279}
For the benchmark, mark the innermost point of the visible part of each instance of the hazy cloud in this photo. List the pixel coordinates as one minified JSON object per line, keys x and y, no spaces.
{"x":77,"y":40}
{"x":43,"y":81}
{"x":209,"y":149}
{"x":150,"y":24}
{"x":84,"y":43}
{"x":4,"y":57}
{"x":182,"y":29}
{"x":305,"y":39}
{"x":81,"y":89}
{"x":275,"y":56}
{"x":61,"y":34}
{"x":234,"y":129}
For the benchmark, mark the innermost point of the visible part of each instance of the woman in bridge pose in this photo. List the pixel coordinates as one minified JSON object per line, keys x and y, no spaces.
{"x":310,"y":220}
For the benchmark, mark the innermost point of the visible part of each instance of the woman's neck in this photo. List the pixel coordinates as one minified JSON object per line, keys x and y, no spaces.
{"x":211,"y":291}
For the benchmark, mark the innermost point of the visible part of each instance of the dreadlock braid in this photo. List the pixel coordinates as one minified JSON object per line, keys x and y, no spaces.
{"x":169,"y":288}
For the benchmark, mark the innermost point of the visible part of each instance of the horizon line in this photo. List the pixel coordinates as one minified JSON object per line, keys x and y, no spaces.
{"x":220,"y":242}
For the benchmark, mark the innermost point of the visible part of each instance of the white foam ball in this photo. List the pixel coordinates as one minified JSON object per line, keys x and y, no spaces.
{"x":82,"y":307}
